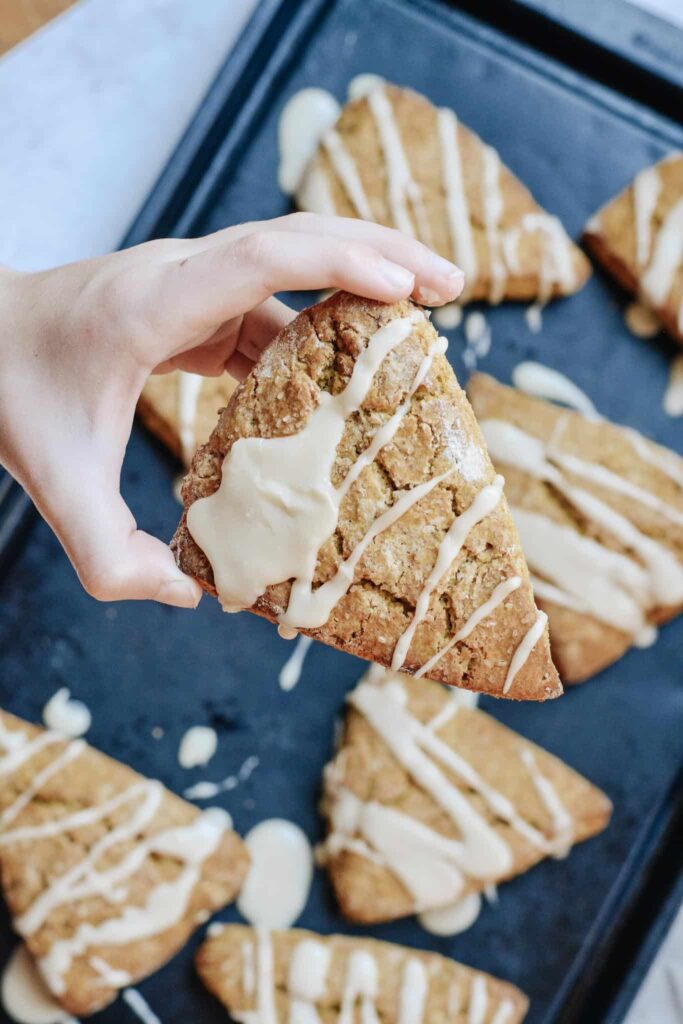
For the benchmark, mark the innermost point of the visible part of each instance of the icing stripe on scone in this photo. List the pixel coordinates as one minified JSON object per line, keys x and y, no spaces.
{"x":523,"y":652}
{"x":309,"y":969}
{"x":401,"y":186}
{"x":464,"y":251}
{"x":629,"y":588}
{"x":667,"y":255}
{"x":189,"y":387}
{"x":166,"y":903}
{"x":492,"y":199}
{"x":346,"y":171}
{"x":433,"y":868}
{"x":482,"y":506}
{"x":499,"y":594}
{"x":646,"y":188}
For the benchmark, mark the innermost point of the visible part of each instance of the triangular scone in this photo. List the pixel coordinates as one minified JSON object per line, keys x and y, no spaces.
{"x":417,"y":564}
{"x":301,"y":975}
{"x":106,"y":873}
{"x":599,"y":510}
{"x":638,"y":237}
{"x":394,"y":158}
{"x":181,"y":408}
{"x":429,"y":801}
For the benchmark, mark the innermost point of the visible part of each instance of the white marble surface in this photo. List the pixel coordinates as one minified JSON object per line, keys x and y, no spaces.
{"x":90,"y":109}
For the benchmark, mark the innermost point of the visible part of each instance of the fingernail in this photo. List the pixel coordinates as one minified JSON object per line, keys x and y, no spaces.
{"x":182,"y":593}
{"x":456,"y":282}
{"x":397,"y":277}
{"x":428,"y":297}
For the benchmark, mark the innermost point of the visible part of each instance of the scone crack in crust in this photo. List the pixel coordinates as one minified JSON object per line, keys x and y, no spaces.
{"x":600,"y":513}
{"x":395,"y":158}
{"x":428,"y":801}
{"x":638,"y":237}
{"x":105,"y":873}
{"x":267,"y":975}
{"x":436,"y":435}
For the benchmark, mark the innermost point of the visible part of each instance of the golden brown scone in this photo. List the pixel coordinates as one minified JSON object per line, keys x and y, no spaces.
{"x":368,"y":783}
{"x":255,"y":974}
{"x":487,"y":221}
{"x":316,"y":353}
{"x":631,"y":234}
{"x":181,"y":408}
{"x":106,"y":873}
{"x":643,"y":485}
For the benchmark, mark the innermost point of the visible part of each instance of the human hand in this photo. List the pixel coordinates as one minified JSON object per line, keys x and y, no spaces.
{"x":78,"y":342}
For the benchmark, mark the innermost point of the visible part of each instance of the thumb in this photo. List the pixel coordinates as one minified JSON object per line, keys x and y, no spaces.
{"x":114,"y":560}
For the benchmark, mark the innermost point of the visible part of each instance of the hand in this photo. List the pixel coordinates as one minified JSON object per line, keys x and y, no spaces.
{"x":77,"y":344}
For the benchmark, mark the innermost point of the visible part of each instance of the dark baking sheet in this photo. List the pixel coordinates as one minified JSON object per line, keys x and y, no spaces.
{"x":556,"y":931}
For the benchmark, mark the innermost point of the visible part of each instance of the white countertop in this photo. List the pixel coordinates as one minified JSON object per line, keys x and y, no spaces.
{"x":91,"y":107}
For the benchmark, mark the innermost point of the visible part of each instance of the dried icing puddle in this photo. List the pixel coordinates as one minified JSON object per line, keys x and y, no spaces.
{"x":252,"y":541}
{"x":197,"y":746}
{"x":276,"y":889}
{"x":25,"y":997}
{"x":66,"y":716}
{"x":435,"y":870}
{"x":673,"y":397}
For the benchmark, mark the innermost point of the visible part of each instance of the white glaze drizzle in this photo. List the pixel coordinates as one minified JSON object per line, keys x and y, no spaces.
{"x":137,"y":1003}
{"x":544,"y":382}
{"x":345,"y":169}
{"x":673,"y":397}
{"x":25,"y":997}
{"x":478,"y":337}
{"x":306,"y":116}
{"x":66,"y":716}
{"x":189,"y":388}
{"x":523,"y":651}
{"x":563,"y":823}
{"x":499,"y":594}
{"x":40,"y":779}
{"x":290,"y":673}
{"x":479,"y":1000}
{"x":197,"y":746}
{"x":482,"y":506}
{"x":658,"y":581}
{"x":277,"y":886}
{"x":361,"y":983}
{"x":401,"y":186}
{"x":557,"y":265}
{"x":206,"y":790}
{"x":464,"y":251}
{"x":251,"y":547}
{"x":492,"y":198}
{"x":365,"y":83}
{"x":412,"y":996}
{"x":432,"y":867}
{"x":454,"y":917}
{"x":110,"y":976}
{"x":307,"y":980}
{"x":447,"y":317}
{"x":667,"y":254}
{"x":646,"y":188}
{"x":190,"y":845}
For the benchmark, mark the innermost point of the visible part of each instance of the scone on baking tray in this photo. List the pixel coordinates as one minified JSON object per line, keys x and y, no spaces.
{"x":181,"y":408}
{"x":395,"y":158}
{"x":105,"y":873}
{"x":346,"y":492}
{"x":299,"y":975}
{"x":638,"y":237}
{"x":429,"y":802}
{"x":599,"y":510}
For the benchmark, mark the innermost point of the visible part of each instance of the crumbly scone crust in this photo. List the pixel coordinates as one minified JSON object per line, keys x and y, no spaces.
{"x":610,"y":235}
{"x":317,"y":351}
{"x":369,"y":892}
{"x":581,"y":644}
{"x":28,"y":867}
{"x":416,"y":118}
{"x":158,"y":407}
{"x":220,"y":963}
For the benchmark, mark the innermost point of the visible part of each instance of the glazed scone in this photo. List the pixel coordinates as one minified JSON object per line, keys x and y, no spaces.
{"x":638,"y":237}
{"x":181,"y":408}
{"x":349,"y":462}
{"x":428,"y":801}
{"x":105,"y":873}
{"x":599,"y":510}
{"x":295,"y":975}
{"x":395,"y":158}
